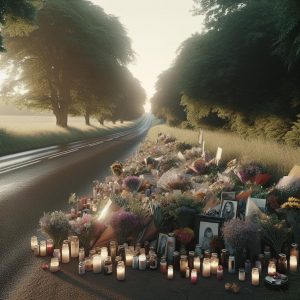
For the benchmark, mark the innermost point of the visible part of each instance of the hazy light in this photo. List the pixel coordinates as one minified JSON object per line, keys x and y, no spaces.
{"x":105,"y":210}
{"x":147,"y":106}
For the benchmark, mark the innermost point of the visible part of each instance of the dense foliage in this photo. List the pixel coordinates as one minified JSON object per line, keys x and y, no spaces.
{"x":74,"y":63}
{"x":241,"y":73}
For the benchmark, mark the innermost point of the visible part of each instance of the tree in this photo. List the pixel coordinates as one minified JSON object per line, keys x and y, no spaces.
{"x":75,"y":40}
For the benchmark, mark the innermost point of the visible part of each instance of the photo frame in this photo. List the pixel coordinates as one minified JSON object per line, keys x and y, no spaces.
{"x":255,"y":206}
{"x":228,"y":196}
{"x":229,"y":209}
{"x":162,"y":244}
{"x":206,"y":228}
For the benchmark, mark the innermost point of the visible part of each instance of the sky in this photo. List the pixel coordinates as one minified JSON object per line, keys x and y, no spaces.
{"x":156,"y":28}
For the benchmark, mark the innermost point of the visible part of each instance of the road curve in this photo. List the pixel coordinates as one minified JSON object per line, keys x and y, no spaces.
{"x":42,"y":181}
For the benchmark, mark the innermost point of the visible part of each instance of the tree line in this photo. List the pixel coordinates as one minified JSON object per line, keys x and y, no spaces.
{"x":242,"y":73}
{"x":70,"y":57}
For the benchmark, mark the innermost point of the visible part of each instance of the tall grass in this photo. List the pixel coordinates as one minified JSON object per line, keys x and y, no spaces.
{"x":277,"y":158}
{"x":21,"y":133}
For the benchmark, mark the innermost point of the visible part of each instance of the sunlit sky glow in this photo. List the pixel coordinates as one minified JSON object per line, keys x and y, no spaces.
{"x":156,"y":28}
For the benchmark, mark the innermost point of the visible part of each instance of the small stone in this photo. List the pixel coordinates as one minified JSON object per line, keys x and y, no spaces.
{"x":228,"y":286}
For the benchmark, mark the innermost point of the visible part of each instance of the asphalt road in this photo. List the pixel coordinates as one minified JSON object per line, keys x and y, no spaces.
{"x":42,"y":181}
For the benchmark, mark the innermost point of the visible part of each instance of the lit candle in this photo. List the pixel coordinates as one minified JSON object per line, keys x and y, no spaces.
{"x":65,"y":253}
{"x":36,"y":250}
{"x":242,"y":274}
{"x":74,"y":246}
{"x":255,"y":276}
{"x":50,"y":247}
{"x":121,"y":270}
{"x":142,"y":262}
{"x":194,"y":276}
{"x":183,"y":265}
{"x":43,"y":248}
{"x":81,"y":254}
{"x":129,"y":257}
{"x":56,"y":253}
{"x":294,"y":250}
{"x":220,"y":272}
{"x":54,"y":264}
{"x":163,"y":265}
{"x":293,"y":263}
{"x":170,"y":272}
{"x":214,"y":262}
{"x":206,"y":267}
{"x":97,"y":263}
{"x":88,"y":263}
{"x":187,"y":272}
{"x":197,"y":263}
{"x":271,"y":268}
{"x":34,"y":241}
{"x":231,"y":264}
{"x":113,"y":249}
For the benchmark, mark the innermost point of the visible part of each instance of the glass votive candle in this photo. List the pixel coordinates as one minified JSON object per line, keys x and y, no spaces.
{"x":56,"y":253}
{"x":88,"y":262}
{"x":142,"y":262}
{"x":258,"y":266}
{"x":65,"y":253}
{"x":43,"y":248}
{"x":294,"y":250}
{"x":34,"y":241}
{"x":242,"y":274}
{"x":81,"y":268}
{"x":81,"y":254}
{"x":113,"y":249}
{"x":194,"y":276}
{"x":74,"y":246}
{"x":231,"y":264}
{"x":187,"y":272}
{"x":282,"y":263}
{"x":54,"y":264}
{"x":121,"y":270}
{"x":271,"y":268}
{"x":135,"y":261}
{"x":197,"y":263}
{"x":92,"y":252}
{"x":255,"y":277}
{"x":293,"y":263}
{"x":183,"y":265}
{"x":36,"y":250}
{"x":170,"y":273}
{"x":97,"y":263}
{"x":129,"y":257}
{"x":214,"y":262}
{"x":206,"y":267}
{"x":220,"y":272}
{"x":163,"y":265}
{"x":50,"y":247}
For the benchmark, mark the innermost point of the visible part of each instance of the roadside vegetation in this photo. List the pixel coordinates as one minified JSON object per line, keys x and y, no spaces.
{"x":277,"y":158}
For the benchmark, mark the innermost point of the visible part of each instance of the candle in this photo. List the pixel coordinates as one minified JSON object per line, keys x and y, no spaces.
{"x":170,"y":272}
{"x":187,"y":272}
{"x":206,"y":267}
{"x":183,"y":265}
{"x":197,"y":263}
{"x":56,"y":253}
{"x":294,"y":250}
{"x":50,"y":247}
{"x":129,"y":257}
{"x":163,"y":265}
{"x":282,"y":263}
{"x":34,"y":241}
{"x":43,"y":248}
{"x":242,"y":274}
{"x":255,"y":277}
{"x":248,"y":266}
{"x":271,"y":268}
{"x":81,"y":268}
{"x":194,"y":276}
{"x":214,"y":262}
{"x":81,"y":254}
{"x":54,"y":264}
{"x":135,"y":261}
{"x":121,"y":270}
{"x":97,"y":263}
{"x":36,"y":250}
{"x":65,"y":253}
{"x":220,"y":272}
{"x":74,"y":246}
{"x":231,"y":264}
{"x":88,"y":263}
{"x":258,"y":266}
{"x":113,"y":249}
{"x":293,"y":263}
{"x":191,"y":259}
{"x":142,"y":262}
{"x":104,"y":255}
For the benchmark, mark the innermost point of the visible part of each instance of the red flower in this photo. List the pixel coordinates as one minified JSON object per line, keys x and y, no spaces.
{"x":262,"y":179}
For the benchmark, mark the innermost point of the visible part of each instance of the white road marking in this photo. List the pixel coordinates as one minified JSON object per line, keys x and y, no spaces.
{"x":19,"y":167}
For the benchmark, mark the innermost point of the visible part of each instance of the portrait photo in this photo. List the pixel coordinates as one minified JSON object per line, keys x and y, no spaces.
{"x":162,"y":243}
{"x":228,"y":209}
{"x":207,"y":228}
{"x":255,"y":206}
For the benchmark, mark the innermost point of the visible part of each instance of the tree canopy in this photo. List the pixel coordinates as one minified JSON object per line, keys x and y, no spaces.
{"x":241,"y":73}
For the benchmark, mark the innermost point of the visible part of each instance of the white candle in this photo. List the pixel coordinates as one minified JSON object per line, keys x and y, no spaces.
{"x":255,"y":276}
{"x":242,"y":275}
{"x":43,"y":248}
{"x":36,"y":250}
{"x":56,"y":253}
{"x":231,"y":264}
{"x":74,"y":246}
{"x":65,"y":253}
{"x":120,"y":270}
{"x":170,"y":272}
{"x":194,"y":276}
{"x":104,"y":254}
{"x":81,"y":254}
{"x":197,"y":263}
{"x":129,"y":257}
{"x":206,"y":267}
{"x":214,"y":262}
{"x":187,"y":272}
{"x":34,"y":241}
{"x":54,"y":264}
{"x":142,"y":262}
{"x":97,"y":263}
{"x":293,"y":263}
{"x":271,"y":268}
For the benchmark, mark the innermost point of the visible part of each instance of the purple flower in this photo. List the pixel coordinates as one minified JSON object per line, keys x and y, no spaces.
{"x":132,"y":183}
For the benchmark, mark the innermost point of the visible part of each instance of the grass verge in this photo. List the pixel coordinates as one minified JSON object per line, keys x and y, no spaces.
{"x":277,"y":158}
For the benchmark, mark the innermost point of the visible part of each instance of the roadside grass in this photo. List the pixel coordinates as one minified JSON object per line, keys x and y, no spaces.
{"x":277,"y":158}
{"x":21,"y":133}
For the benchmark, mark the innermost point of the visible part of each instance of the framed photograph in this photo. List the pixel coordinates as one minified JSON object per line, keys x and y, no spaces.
{"x":162,"y":244}
{"x":228,"y":196}
{"x":206,"y":229}
{"x":228,"y":209}
{"x":255,"y":206}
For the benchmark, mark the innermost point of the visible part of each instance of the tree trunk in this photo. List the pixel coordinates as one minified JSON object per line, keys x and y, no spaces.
{"x":101,"y":121}
{"x":87,"y":119}
{"x":62,"y":119}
